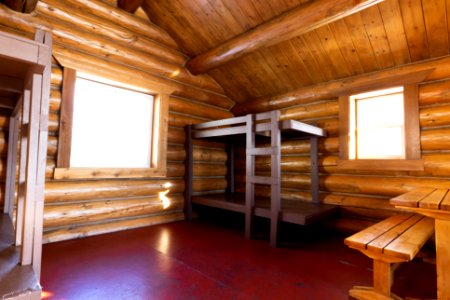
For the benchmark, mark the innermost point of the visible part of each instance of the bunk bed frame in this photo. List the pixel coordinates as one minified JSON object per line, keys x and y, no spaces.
{"x":250,"y":128}
{"x":25,"y":71}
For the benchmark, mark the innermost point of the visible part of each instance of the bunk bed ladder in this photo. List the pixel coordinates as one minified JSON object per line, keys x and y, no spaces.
{"x":254,"y":127}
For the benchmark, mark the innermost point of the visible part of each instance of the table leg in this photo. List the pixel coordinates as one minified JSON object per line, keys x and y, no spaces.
{"x":443,"y":258}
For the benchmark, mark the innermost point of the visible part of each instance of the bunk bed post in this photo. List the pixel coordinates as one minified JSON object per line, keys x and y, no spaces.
{"x":230,"y":167}
{"x":250,"y":168}
{"x":275,"y":199}
{"x":14,"y":123}
{"x":314,"y":169}
{"x":188,"y":173}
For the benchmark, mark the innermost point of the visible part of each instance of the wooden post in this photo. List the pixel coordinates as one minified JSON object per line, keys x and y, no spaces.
{"x":41,"y":160}
{"x":443,"y":257}
{"x":11,"y":165}
{"x":189,"y":173}
{"x":230,"y":167}
{"x":250,"y":172}
{"x":31,"y":167}
{"x":314,"y":169}
{"x":275,"y":200}
{"x":382,"y":280}
{"x":22,"y":166}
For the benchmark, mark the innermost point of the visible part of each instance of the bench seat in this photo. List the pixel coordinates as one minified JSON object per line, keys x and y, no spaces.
{"x":394,"y":240}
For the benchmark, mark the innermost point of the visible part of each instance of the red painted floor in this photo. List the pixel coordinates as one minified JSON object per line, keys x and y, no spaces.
{"x":204,"y":260}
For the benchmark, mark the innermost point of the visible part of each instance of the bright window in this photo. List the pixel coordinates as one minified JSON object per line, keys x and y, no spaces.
{"x":379,"y":130}
{"x":110,"y":129}
{"x":112,"y":126}
{"x":378,"y":125}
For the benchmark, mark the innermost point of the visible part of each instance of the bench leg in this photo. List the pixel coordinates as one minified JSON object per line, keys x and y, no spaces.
{"x":382,"y":282}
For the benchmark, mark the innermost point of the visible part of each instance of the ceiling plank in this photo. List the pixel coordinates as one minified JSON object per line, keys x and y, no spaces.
{"x":22,"y":6}
{"x":129,"y":5}
{"x":298,"y":21}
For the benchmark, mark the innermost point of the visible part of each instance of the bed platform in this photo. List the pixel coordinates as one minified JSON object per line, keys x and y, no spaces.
{"x":247,"y":130}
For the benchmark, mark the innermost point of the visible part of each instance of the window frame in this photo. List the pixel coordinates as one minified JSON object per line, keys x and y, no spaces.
{"x":412,"y":161}
{"x":158,"y":158}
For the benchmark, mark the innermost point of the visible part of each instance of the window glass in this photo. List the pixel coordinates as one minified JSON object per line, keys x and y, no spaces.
{"x":378,"y":125}
{"x":112,"y":126}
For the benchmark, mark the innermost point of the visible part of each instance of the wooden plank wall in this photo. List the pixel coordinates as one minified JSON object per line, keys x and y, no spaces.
{"x":80,"y":208}
{"x":363,"y":195}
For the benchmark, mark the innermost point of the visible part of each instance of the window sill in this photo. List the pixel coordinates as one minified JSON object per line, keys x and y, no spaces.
{"x":382,"y":164}
{"x":89,"y":173}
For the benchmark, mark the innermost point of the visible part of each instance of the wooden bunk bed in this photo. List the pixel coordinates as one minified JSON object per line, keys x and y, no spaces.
{"x":25,"y":70}
{"x":250,"y":129}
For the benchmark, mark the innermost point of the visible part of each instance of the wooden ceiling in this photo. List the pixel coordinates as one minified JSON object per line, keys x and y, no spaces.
{"x":391,"y":33}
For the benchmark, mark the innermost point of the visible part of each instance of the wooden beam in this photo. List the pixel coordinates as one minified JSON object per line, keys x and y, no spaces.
{"x":293,"y":23}
{"x":23,"y":6}
{"x":129,"y":5}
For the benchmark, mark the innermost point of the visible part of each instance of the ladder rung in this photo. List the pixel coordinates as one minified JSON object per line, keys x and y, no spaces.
{"x":262,"y":151}
{"x":263,"y":180}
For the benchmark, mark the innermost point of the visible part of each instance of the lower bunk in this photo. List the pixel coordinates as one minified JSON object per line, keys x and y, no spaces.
{"x":292,"y":211}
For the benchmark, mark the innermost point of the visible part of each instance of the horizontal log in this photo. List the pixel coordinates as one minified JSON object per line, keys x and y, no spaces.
{"x":175,"y":169}
{"x":434,"y":93}
{"x":322,"y":109}
{"x":436,"y":139}
{"x":74,"y":232}
{"x":175,"y":153}
{"x":69,"y":35}
{"x":124,"y":19}
{"x":55,"y":100}
{"x":181,"y":120}
{"x":329,"y":90}
{"x":112,"y":69}
{"x":327,"y":145}
{"x":96,"y":211}
{"x":209,"y":155}
{"x":435,"y":116}
{"x":208,"y":184}
{"x":118,"y":72}
{"x":70,"y":191}
{"x":105,"y":28}
{"x":52,"y":146}
{"x":380,"y":186}
{"x":197,"y":109}
{"x":53,"y":123}
{"x":205,"y":170}
{"x":176,"y":135}
{"x":56,"y":76}
{"x":357,"y":201}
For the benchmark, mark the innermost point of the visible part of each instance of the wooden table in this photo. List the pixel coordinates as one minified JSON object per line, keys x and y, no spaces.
{"x":435,"y":203}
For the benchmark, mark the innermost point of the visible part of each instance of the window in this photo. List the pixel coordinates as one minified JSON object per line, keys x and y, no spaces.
{"x":379,"y":130}
{"x":110,"y":129}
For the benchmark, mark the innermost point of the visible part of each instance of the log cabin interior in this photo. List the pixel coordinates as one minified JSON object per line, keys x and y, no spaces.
{"x":205,"y":149}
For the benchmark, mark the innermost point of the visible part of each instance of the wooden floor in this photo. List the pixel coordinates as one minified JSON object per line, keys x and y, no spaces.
{"x":209,"y":260}
{"x":14,"y":279}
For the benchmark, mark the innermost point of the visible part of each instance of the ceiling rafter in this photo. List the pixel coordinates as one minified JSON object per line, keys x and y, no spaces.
{"x":298,"y":21}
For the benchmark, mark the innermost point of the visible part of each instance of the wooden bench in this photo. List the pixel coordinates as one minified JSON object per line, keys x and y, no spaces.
{"x":394,"y":240}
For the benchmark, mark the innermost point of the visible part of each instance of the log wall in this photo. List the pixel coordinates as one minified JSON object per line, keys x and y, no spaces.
{"x":97,"y":36}
{"x":363,"y":195}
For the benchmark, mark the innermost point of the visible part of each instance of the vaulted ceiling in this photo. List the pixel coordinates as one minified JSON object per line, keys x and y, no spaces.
{"x":391,"y":33}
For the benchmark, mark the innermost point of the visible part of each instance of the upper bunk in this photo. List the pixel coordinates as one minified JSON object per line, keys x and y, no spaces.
{"x":237,"y":128}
